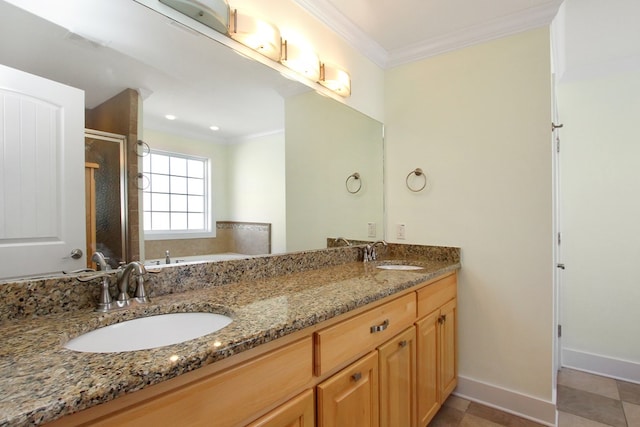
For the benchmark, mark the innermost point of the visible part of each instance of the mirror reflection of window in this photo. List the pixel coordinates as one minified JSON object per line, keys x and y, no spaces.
{"x":176,"y":198}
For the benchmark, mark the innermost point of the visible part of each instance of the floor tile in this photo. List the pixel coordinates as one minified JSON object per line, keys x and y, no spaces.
{"x":588,"y":382}
{"x":499,"y":417}
{"x":447,"y":417}
{"x":457,"y":403}
{"x":591,"y":406}
{"x":472,"y":421}
{"x":569,"y":420}
{"x":629,"y":392}
{"x":632,"y":412}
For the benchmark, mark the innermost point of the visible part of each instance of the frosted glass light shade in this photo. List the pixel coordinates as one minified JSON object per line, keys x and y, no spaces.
{"x":335,"y":79}
{"x":212,"y":13}
{"x":256,"y":34}
{"x":302,"y":61}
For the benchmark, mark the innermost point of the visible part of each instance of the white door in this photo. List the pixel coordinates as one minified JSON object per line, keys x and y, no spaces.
{"x":42,"y":208}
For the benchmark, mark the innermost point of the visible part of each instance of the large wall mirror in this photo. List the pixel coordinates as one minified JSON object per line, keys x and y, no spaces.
{"x":282,"y":163}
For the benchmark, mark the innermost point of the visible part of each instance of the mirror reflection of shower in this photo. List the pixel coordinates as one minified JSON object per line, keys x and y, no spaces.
{"x":105,"y":192}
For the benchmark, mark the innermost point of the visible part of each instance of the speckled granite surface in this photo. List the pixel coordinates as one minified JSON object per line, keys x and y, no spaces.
{"x":41,"y":381}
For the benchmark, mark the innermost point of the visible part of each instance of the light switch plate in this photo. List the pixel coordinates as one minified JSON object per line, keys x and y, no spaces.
{"x":400,"y":231}
{"x":371,"y":229}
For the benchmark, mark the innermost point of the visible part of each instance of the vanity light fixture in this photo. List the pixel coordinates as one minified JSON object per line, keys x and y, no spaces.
{"x":170,"y":117}
{"x":214,"y":128}
{"x":212,"y":13}
{"x":256,"y":34}
{"x":335,"y":79}
{"x":301,"y":60}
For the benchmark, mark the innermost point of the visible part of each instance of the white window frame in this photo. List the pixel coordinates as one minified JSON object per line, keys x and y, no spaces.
{"x":209,"y":230}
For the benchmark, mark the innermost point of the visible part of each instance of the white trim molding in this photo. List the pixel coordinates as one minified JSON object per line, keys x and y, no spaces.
{"x":598,"y":364}
{"x":523,"y":20}
{"x":324,"y":11}
{"x":513,"y":402}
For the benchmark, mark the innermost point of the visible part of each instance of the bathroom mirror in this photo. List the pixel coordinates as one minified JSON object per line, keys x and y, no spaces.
{"x":283,"y":152}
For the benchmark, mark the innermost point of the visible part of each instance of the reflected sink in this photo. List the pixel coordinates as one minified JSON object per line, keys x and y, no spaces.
{"x":399,"y":267}
{"x":149,"y":332}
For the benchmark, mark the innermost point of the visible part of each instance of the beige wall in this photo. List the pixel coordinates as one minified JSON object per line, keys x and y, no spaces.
{"x":601,"y":231}
{"x":256,"y":179}
{"x":600,"y":159}
{"x":325,"y":143}
{"x":477,"y":121}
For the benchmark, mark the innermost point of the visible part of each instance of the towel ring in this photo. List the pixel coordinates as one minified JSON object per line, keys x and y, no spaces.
{"x":416,"y":172}
{"x":144,"y":147}
{"x":356,"y":177}
{"x":144,"y":185}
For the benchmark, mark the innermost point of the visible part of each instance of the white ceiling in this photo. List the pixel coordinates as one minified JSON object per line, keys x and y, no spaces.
{"x":392,"y":32}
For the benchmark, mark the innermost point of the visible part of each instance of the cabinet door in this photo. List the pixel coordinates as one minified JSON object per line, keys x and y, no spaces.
{"x":397,"y":372}
{"x":427,"y":368}
{"x":298,"y":412}
{"x":447,"y":342}
{"x":350,"y":397}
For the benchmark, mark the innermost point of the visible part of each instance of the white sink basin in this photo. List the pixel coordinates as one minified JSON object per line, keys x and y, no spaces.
{"x":148,"y":332}
{"x":399,"y":267}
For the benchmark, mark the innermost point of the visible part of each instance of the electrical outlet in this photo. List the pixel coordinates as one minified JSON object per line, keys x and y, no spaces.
{"x":371,"y":229}
{"x":400,"y":231}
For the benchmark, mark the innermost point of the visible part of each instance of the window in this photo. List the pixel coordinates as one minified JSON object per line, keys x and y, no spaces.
{"x":176,"y":199}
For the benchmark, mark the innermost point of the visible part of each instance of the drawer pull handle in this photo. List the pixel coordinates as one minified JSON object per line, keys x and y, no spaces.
{"x":403,"y":343}
{"x":356,"y":377}
{"x":379,"y":328}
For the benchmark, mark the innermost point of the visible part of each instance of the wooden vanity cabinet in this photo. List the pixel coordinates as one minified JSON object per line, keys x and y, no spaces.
{"x":297,"y":412}
{"x":350,"y":397}
{"x":226,"y":398}
{"x":397,"y":377}
{"x":436,"y":347}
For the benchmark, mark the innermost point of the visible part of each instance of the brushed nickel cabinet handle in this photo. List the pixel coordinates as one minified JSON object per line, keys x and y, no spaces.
{"x":356,"y":376}
{"x":379,"y":328}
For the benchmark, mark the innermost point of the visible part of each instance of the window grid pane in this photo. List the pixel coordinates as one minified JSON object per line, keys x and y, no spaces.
{"x":175,"y":198}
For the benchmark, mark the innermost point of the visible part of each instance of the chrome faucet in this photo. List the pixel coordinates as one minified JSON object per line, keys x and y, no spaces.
{"x":123,"y":274}
{"x":105,"y":301}
{"x":370,"y":251}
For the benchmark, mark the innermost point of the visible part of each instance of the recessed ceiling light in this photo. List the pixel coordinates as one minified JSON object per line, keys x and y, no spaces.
{"x":170,"y":117}
{"x":214,"y":128}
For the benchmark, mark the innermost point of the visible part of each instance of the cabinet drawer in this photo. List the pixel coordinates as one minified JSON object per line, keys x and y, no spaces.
{"x":227,"y":398}
{"x":360,"y":334}
{"x":434,"y":295}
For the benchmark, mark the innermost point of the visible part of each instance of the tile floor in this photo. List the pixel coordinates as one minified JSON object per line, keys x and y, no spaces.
{"x":584,"y":400}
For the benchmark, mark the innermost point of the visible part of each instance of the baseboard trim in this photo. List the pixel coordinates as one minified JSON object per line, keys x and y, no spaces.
{"x":601,"y":365}
{"x":522,"y":405}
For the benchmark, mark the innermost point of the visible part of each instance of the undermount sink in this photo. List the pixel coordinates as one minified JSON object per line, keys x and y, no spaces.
{"x":399,"y":267}
{"x":149,"y":332}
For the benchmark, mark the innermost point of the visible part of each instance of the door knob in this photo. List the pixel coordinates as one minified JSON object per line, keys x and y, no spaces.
{"x":76,"y":253}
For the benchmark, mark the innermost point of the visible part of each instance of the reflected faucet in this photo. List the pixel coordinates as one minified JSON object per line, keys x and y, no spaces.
{"x":370,"y":251}
{"x":338,"y":239}
{"x":124,"y":272}
{"x":100,"y":260}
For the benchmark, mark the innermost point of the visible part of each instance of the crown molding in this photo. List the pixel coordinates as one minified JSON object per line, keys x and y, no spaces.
{"x":493,"y":29}
{"x":520,"y":21}
{"x":345,"y":28}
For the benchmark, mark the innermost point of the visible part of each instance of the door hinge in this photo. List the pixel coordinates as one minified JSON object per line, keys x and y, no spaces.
{"x":559,"y":237}
{"x":557,"y":145}
{"x":559,"y":331}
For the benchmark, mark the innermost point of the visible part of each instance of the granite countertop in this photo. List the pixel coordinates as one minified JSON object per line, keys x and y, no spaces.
{"x":42,"y":381}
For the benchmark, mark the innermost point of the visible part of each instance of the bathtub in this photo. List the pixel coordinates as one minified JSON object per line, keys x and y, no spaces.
{"x":159,"y":262}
